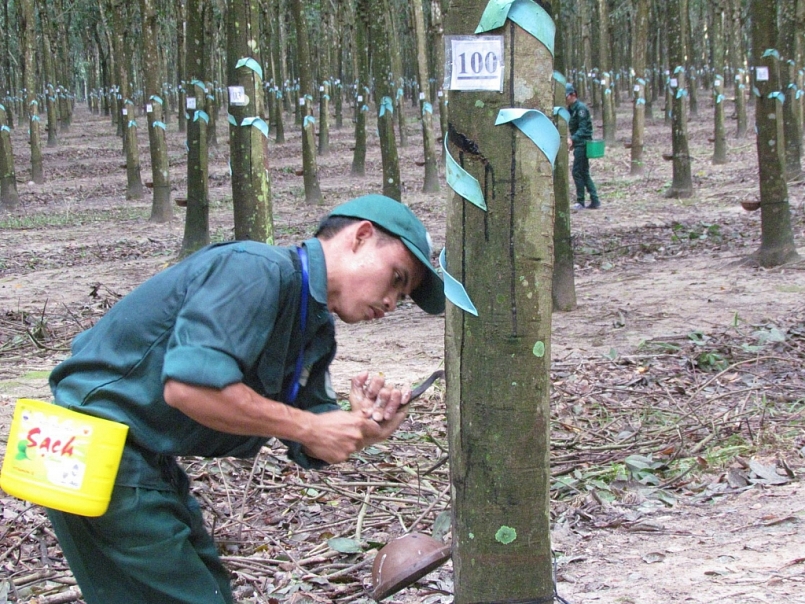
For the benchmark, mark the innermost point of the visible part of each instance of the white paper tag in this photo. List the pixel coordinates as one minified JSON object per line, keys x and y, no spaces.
{"x":674,"y":82}
{"x":637,"y":87}
{"x":191,"y":102}
{"x":321,"y":88}
{"x":421,"y":96}
{"x":762,"y":73}
{"x":476,"y":63}
{"x":149,"y":108}
{"x":125,"y":111}
{"x":237,"y":96}
{"x":440,"y":94}
{"x":717,"y":83}
{"x":360,"y":98}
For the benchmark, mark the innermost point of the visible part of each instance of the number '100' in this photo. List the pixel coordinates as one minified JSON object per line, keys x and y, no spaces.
{"x":479,"y":63}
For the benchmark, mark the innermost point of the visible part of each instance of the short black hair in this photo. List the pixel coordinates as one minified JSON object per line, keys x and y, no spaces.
{"x":330,"y":226}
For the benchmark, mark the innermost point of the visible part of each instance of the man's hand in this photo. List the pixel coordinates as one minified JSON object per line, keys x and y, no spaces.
{"x":375,"y":399}
{"x":569,"y":143}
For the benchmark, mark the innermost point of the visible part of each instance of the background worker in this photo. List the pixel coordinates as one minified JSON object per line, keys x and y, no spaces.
{"x":581,"y":131}
{"x":214,"y":356}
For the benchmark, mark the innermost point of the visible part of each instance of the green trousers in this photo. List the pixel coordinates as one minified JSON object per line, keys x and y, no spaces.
{"x":150,"y":547}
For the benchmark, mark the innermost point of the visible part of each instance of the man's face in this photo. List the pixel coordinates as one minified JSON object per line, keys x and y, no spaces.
{"x":570,"y":99}
{"x":377,"y":274}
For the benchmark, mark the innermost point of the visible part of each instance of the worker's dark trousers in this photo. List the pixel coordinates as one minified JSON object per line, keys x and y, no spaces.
{"x":150,"y":547}
{"x":581,"y":175}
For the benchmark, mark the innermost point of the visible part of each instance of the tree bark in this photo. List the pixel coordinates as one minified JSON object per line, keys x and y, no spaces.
{"x":639,"y":48}
{"x":181,"y":54}
{"x":161,"y":208}
{"x":788,"y":51}
{"x":682,"y":183}
{"x":248,"y":141}
{"x":384,"y":98}
{"x":437,"y":37}
{"x":362,"y":95}
{"x":717,"y":41}
{"x":605,"y":63}
{"x":737,"y":64}
{"x":309,"y":166}
{"x":28,"y":35}
{"x":197,"y":219}
{"x":777,"y":240}
{"x":498,"y":362}
{"x":431,"y":182}
{"x":9,"y":198}
{"x":128,"y":117}
{"x":563,"y":290}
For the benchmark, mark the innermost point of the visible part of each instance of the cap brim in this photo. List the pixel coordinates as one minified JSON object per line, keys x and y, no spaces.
{"x":429,"y":296}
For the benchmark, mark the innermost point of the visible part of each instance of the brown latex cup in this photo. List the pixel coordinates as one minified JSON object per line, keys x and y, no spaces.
{"x":404,"y":560}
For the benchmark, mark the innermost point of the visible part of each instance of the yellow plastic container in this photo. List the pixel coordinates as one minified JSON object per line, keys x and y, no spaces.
{"x":62,"y":459}
{"x":595,"y":149}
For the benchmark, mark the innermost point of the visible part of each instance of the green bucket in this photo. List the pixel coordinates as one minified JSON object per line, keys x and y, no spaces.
{"x":595,"y":149}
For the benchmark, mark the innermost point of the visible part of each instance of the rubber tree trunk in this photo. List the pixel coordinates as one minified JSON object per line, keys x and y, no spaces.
{"x":607,"y":75}
{"x":384,"y":97}
{"x":28,"y":33}
{"x":717,"y":42}
{"x":128,"y":117}
{"x":639,"y":48}
{"x":197,"y":220}
{"x":788,"y":51}
{"x":324,"y":118}
{"x":777,"y":241}
{"x":437,"y":40}
{"x":248,"y":136}
{"x":181,"y":54}
{"x":362,"y":96}
{"x":309,"y":165}
{"x":737,"y":65}
{"x":682,"y":182}
{"x":51,"y":100}
{"x":161,"y":208}
{"x":498,"y":361}
{"x":325,"y":71}
{"x":431,"y":182}
{"x":9,"y":198}
{"x":563,"y":290}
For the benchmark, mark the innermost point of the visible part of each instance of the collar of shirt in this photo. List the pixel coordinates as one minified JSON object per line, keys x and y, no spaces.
{"x":318,"y":270}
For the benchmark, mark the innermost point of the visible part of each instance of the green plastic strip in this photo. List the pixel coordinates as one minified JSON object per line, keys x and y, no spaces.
{"x":251,"y":64}
{"x":427,"y":108}
{"x":771,"y":52}
{"x":461,"y":181}
{"x":562,"y":112}
{"x":780,"y":96}
{"x":454,"y":291}
{"x":231,"y":119}
{"x":258,"y":123}
{"x":386,"y":104}
{"x":203,"y":115}
{"x":158,"y":124}
{"x":526,"y":13}
{"x":132,"y":123}
{"x":559,"y":78}
{"x":5,"y":128}
{"x":719,"y":99}
{"x":308,"y":121}
{"x":157,"y":99}
{"x":535,"y":125}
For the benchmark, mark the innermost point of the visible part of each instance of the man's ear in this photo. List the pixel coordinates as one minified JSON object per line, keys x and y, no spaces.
{"x":364,"y":232}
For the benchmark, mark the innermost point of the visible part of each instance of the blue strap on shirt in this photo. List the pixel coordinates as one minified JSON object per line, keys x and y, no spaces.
{"x":293,"y":387}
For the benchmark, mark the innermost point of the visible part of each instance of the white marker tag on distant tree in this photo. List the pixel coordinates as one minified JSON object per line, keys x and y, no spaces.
{"x":149,"y":108}
{"x":191,"y":102}
{"x":237,"y":96}
{"x":762,"y":73}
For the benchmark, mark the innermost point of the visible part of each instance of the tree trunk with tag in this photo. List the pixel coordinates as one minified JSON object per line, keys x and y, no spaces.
{"x":9,"y":198}
{"x":717,"y":41}
{"x":682,"y":182}
{"x":639,"y":49}
{"x":498,"y":361}
{"x":28,"y":38}
{"x":431,"y":181}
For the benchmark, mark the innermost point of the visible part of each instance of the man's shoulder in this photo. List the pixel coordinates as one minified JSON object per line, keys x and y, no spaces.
{"x":582,"y":109}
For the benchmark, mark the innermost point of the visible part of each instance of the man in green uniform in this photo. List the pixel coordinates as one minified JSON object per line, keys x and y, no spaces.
{"x":581,"y":131}
{"x":214,"y":356}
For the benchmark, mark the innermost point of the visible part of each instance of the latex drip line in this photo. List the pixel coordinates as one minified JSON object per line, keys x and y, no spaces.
{"x":512,"y":188}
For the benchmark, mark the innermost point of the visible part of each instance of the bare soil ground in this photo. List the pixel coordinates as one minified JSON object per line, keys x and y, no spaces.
{"x":678,"y":404}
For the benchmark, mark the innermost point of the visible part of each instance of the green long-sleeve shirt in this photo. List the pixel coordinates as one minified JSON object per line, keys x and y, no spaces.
{"x":580,"y":124}
{"x":227,"y":314}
